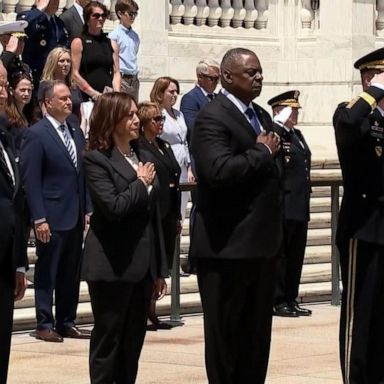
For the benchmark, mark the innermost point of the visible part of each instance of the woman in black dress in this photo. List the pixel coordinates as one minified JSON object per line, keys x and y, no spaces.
{"x":95,"y":58}
{"x":168,"y":172}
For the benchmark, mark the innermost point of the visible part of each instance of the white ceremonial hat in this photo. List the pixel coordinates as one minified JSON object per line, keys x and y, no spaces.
{"x":9,"y":27}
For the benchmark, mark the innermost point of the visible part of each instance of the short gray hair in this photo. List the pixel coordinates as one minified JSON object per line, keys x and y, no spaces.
{"x":48,"y":88}
{"x":204,"y":64}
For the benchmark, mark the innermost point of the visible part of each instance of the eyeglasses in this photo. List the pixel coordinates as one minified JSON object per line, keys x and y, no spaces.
{"x":99,"y":15}
{"x":214,"y":79}
{"x":131,"y":14}
{"x":159,"y":119}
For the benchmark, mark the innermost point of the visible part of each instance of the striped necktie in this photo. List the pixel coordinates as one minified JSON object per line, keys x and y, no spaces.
{"x":4,"y":164}
{"x":68,"y":144}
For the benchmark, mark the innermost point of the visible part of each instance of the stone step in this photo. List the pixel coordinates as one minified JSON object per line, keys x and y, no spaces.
{"x":320,"y":220}
{"x":317,"y":254}
{"x":312,"y":273}
{"x":320,"y":236}
{"x":24,"y":318}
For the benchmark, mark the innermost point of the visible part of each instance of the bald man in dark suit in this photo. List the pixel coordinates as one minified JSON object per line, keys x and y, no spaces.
{"x":237,"y":228}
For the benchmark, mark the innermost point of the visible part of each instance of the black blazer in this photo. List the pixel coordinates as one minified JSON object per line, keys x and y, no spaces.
{"x":239,"y":208}
{"x":124,"y":241}
{"x":72,"y":22}
{"x":296,"y":168}
{"x":360,"y":145}
{"x":13,"y":250}
{"x":168,"y":172}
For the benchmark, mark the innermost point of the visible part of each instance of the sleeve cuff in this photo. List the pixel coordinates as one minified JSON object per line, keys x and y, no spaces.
{"x":21,"y":270}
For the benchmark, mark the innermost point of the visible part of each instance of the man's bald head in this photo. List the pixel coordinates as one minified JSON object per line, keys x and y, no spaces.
{"x":241,"y":74}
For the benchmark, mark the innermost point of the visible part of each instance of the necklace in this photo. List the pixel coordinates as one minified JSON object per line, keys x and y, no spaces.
{"x":129,"y":155}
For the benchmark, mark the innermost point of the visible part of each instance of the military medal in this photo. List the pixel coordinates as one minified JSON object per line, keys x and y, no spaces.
{"x":379,"y":150}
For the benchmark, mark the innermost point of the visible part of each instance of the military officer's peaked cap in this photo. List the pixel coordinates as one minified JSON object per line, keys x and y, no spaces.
{"x":13,"y":27}
{"x":373,"y":60}
{"x":290,"y":99}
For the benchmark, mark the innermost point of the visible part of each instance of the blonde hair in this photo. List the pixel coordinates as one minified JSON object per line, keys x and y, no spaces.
{"x":51,"y":64}
{"x":146,"y":111}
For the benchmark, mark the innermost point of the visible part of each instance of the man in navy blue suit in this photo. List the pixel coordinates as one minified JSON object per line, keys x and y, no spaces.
{"x":208,"y":75}
{"x":53,"y":176}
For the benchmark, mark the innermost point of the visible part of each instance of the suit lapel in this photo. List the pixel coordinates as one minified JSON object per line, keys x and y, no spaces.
{"x":237,"y":115}
{"x":5,"y":142}
{"x":121,"y":165}
{"x":200,"y":95}
{"x":76,"y":18}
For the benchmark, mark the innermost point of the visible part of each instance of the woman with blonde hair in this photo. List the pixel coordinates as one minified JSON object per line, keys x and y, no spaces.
{"x":58,"y":66}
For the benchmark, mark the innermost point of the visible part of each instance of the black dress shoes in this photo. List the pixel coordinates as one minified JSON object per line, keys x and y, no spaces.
{"x":300,"y":311}
{"x":284,"y":310}
{"x":48,"y":335}
{"x":157,"y":324}
{"x":74,"y":333}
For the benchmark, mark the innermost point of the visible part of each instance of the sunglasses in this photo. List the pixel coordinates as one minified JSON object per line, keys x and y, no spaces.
{"x":159,"y":119}
{"x":99,"y":15}
{"x":214,"y":79}
{"x":131,"y":14}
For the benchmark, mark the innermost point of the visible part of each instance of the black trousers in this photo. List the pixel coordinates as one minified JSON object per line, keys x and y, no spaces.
{"x":120,"y":313}
{"x":290,"y":264}
{"x":237,"y":300}
{"x":362,"y":312}
{"x":58,"y":270}
{"x":7,"y":286}
{"x":7,"y":281}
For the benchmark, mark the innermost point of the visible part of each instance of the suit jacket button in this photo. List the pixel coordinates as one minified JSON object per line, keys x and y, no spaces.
{"x":363,"y":195}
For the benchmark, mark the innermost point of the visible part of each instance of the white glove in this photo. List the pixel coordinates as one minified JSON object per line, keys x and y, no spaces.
{"x":283,"y":115}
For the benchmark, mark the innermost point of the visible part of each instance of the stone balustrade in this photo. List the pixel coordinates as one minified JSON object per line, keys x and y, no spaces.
{"x":234,"y":13}
{"x":380,"y":16}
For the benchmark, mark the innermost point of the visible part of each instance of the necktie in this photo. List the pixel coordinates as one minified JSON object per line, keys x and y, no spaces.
{"x":254,"y":122}
{"x":3,"y":164}
{"x":210,"y":96}
{"x":68,"y":144}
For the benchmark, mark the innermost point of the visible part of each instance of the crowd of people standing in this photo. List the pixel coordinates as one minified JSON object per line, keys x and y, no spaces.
{"x":116,"y":167}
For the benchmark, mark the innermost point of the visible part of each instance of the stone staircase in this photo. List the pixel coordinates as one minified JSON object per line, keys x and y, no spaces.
{"x":315,"y":281}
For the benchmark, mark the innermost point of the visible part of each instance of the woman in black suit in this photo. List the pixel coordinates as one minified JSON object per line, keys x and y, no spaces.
{"x":123,"y":257}
{"x":168,"y":172}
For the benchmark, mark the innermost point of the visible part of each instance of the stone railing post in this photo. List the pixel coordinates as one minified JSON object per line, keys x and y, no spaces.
{"x":190,"y":11}
{"x":239,"y":13}
{"x":227,"y":13}
{"x":202,"y":12}
{"x":306,"y":15}
{"x":380,"y":15}
{"x":250,"y":14}
{"x":262,"y":14}
{"x":62,"y":4}
{"x":214,"y":12}
{"x":24,"y":5}
{"x":177,"y":11}
{"x":9,"y":6}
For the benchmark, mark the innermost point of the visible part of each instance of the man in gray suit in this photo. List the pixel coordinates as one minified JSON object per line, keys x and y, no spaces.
{"x":73,"y":18}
